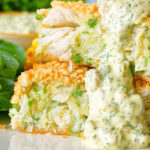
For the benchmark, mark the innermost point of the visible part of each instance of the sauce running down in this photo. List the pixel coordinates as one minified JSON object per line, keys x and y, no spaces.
{"x":117,"y":117}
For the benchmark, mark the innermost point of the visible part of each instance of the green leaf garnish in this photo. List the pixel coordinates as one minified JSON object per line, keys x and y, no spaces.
{"x":77,"y":58}
{"x":36,"y":118}
{"x":29,"y":103}
{"x":77,"y":92}
{"x":146,"y":62}
{"x":39,"y":17}
{"x":36,"y":88}
{"x":148,"y":38}
{"x":44,"y":90}
{"x":89,"y":61}
{"x":132,"y":69}
{"x":92,"y":22}
{"x":16,"y":106}
{"x":43,"y":36}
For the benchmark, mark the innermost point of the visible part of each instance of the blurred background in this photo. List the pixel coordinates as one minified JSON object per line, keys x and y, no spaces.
{"x":28,"y":5}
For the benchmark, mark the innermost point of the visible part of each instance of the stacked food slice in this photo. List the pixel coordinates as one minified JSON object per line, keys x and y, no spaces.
{"x":49,"y":98}
{"x":91,"y":76}
{"x":67,"y":31}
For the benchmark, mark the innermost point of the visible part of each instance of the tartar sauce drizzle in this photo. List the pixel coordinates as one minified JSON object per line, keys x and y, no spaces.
{"x":116,"y":118}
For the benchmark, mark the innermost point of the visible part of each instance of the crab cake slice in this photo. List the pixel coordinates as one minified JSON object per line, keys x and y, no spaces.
{"x":50,"y":98}
{"x":68,"y":31}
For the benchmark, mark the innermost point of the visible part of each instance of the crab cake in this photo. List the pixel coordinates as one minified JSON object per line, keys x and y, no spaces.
{"x":50,"y":98}
{"x":67,"y":31}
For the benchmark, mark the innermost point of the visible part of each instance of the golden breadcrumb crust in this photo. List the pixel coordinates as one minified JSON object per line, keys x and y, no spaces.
{"x":77,"y":6}
{"x":80,"y":7}
{"x":51,"y":72}
{"x":42,"y":131}
{"x":2,"y":126}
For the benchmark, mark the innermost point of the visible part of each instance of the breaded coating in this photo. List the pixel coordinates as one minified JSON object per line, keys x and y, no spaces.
{"x":53,"y":71}
{"x":76,"y":6}
{"x":50,"y":98}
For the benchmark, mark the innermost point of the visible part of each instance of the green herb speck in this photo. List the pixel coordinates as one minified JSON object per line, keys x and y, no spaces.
{"x":77,"y":92}
{"x":77,"y":58}
{"x":29,"y":103}
{"x":36,"y":88}
{"x":43,"y":36}
{"x":39,"y":17}
{"x":94,"y":136}
{"x":36,"y":118}
{"x":146,"y":62}
{"x":148,"y":38}
{"x":85,"y":32}
{"x":89,"y":61}
{"x":44,"y":90}
{"x":92,"y":22}
{"x":16,"y":106}
{"x":132,"y":69}
{"x":104,"y":46}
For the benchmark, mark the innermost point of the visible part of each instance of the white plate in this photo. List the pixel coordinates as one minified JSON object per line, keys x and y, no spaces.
{"x":15,"y":140}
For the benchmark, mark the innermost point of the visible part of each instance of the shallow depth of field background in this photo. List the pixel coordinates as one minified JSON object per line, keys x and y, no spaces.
{"x":28,"y":5}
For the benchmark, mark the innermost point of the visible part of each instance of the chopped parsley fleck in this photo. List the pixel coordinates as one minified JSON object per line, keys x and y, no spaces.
{"x":36,"y":88}
{"x":36,"y":118}
{"x":16,"y":106}
{"x":146,"y":62}
{"x":44,"y":90}
{"x":149,"y":48}
{"x":89,"y":61}
{"x":77,"y":58}
{"x":85,"y":32}
{"x":78,"y":104}
{"x":73,"y":132}
{"x":39,"y":17}
{"x":29,"y":103}
{"x":77,"y":92}
{"x":95,"y":128}
{"x":129,"y":126}
{"x":103,"y":48}
{"x":78,"y":45}
{"x":92,"y":22}
{"x":132,"y":69}
{"x":43,"y":36}
{"x":148,"y":38}
{"x":94,"y":136}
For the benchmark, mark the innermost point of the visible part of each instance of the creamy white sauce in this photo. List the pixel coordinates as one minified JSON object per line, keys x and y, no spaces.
{"x":24,"y":23}
{"x":117,"y":118}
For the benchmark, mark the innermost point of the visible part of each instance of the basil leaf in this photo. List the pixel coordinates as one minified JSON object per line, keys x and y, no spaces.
{"x":4,"y":103}
{"x":16,"y":51}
